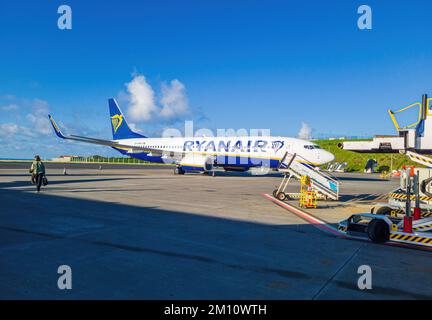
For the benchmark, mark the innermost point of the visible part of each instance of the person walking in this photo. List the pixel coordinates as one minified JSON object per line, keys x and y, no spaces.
{"x":38,"y":171}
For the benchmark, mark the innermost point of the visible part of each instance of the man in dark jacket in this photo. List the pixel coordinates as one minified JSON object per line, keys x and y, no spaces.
{"x":38,"y":171}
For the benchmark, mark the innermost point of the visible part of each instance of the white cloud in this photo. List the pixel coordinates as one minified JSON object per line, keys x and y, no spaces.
{"x":173,"y":102}
{"x":9,"y":107}
{"x":135,"y":128}
{"x":9,"y":129}
{"x":32,"y":119}
{"x":39,"y":117}
{"x":39,"y":104}
{"x":27,"y":132}
{"x":40,"y":123}
{"x":305,"y":132}
{"x":141,"y":99}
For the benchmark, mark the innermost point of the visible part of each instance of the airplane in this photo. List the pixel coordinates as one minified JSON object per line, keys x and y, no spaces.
{"x":203,"y":154}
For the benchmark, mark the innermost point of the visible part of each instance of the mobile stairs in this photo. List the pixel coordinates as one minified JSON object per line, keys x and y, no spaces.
{"x":293,"y":165}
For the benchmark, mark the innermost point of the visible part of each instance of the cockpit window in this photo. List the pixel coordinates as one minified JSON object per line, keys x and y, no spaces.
{"x":311,"y":146}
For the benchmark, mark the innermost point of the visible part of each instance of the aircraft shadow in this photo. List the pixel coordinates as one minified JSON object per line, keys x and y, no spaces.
{"x":14,"y":184}
{"x":124,"y":251}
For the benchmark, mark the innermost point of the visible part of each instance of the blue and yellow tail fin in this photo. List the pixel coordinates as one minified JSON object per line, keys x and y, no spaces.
{"x":56,"y":127}
{"x":119,"y":126}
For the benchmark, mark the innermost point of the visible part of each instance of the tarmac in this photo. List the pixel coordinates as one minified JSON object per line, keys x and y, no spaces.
{"x":145,"y":233}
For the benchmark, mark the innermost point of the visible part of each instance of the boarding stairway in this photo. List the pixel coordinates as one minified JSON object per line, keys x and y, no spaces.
{"x":297,"y":166}
{"x":420,"y":158}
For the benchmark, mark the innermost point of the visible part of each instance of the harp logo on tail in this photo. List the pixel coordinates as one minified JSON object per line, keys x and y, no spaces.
{"x":116,"y":121}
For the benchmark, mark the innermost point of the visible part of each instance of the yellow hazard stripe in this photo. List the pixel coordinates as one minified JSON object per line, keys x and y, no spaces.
{"x":403,"y":196}
{"x":423,"y":214}
{"x":421,"y":159}
{"x":411,"y":238}
{"x":423,"y":227}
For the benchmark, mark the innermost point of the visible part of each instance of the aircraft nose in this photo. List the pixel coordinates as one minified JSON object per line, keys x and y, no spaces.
{"x":328,"y":157}
{"x":325,"y":157}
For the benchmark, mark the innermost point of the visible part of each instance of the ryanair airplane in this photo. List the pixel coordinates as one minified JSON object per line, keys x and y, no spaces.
{"x":203,"y":153}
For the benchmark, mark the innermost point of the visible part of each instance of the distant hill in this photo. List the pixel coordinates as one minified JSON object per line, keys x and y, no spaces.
{"x":357,"y":161}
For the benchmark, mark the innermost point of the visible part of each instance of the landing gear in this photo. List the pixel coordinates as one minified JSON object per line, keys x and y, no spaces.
{"x":178,"y":170}
{"x":378,"y":231}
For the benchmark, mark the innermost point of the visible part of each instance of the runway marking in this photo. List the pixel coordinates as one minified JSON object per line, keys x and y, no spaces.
{"x":317,"y":223}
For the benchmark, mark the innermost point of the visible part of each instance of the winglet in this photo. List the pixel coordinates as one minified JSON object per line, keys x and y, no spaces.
{"x":56,"y":128}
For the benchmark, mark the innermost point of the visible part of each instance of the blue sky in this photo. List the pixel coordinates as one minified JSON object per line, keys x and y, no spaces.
{"x":235,"y":64}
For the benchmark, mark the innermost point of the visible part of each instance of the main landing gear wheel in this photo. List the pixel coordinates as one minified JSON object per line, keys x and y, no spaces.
{"x":178,"y":170}
{"x":378,"y":231}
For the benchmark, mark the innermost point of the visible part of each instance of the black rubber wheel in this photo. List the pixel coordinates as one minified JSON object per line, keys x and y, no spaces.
{"x":179,"y":170}
{"x":281,"y":196}
{"x":378,"y":231}
{"x":384,"y":211}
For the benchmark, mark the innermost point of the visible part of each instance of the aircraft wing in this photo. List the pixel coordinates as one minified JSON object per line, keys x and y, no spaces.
{"x":102,"y":142}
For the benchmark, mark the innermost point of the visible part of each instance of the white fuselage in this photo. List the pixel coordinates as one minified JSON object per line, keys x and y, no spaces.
{"x":237,"y":151}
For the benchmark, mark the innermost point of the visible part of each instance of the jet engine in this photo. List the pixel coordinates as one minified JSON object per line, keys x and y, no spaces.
{"x":197,"y":162}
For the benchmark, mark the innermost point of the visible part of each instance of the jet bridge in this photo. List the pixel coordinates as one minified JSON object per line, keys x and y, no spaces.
{"x":414,"y":140}
{"x":416,"y":137}
{"x":296,"y":166}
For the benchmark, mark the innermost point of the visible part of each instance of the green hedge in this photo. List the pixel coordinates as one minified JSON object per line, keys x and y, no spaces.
{"x":357,"y":161}
{"x":125,"y":160}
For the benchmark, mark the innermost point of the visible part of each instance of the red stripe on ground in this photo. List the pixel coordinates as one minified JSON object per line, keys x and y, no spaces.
{"x":323,"y":226}
{"x":319,"y":224}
